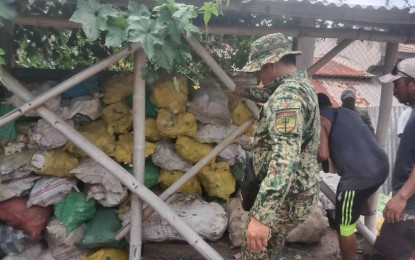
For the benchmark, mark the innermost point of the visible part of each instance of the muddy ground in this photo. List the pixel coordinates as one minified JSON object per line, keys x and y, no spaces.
{"x":326,"y":249}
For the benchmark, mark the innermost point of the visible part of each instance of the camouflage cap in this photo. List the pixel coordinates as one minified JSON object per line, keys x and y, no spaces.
{"x":268,"y":49}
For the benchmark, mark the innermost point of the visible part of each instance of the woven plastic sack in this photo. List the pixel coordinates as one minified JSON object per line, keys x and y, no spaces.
{"x":63,"y":246}
{"x":10,"y":163}
{"x":118,"y":87}
{"x":89,"y":171}
{"x":167,"y":178}
{"x":166,"y":157}
{"x":232,"y":153}
{"x":100,"y":230}
{"x":85,"y":105}
{"x":17,"y":174}
{"x":47,"y":136}
{"x":237,"y":221}
{"x":118,"y":118}
{"x":54,"y":162}
{"x":151,"y":130}
{"x":217,"y":180}
{"x":96,"y":133}
{"x":84,"y":88}
{"x":31,"y":220}
{"x":210,"y":133}
{"x":208,"y":220}
{"x":8,"y":130}
{"x":12,"y":240}
{"x":125,"y":147}
{"x":173,"y":125}
{"x":108,"y":254}
{"x":240,"y":114}
{"x":165,"y":95}
{"x":151,"y":173}
{"x":106,"y":197}
{"x":49,"y":190}
{"x":74,"y":209}
{"x":16,"y":187}
{"x":191,"y":150}
{"x":209,"y":103}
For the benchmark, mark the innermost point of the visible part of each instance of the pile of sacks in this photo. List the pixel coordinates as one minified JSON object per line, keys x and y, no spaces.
{"x":52,"y":191}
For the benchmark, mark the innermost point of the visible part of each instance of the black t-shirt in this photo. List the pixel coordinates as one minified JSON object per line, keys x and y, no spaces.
{"x":354,"y":151}
{"x":405,"y":161}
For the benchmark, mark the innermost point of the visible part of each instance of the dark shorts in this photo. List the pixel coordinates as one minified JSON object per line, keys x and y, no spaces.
{"x":396,"y":240}
{"x":349,"y":205}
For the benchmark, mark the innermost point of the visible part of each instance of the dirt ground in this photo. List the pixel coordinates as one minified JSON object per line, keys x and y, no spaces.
{"x":326,"y":249}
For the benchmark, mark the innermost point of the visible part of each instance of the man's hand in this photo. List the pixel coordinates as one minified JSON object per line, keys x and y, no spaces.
{"x":257,"y":236}
{"x":394,"y":208}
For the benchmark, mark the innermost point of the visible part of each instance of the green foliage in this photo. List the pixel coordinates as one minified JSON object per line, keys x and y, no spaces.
{"x":7,"y":11}
{"x":158,"y":31}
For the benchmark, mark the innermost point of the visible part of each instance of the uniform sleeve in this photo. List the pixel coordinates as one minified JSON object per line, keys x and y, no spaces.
{"x":285,"y":126}
{"x":256,"y":94}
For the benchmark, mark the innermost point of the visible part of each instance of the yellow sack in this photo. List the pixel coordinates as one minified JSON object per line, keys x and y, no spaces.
{"x":167,"y":178}
{"x":164,"y":95}
{"x":118,"y":118}
{"x":240,"y":114}
{"x":58,"y":163}
{"x":191,"y":150}
{"x":96,"y":133}
{"x":123,"y":152}
{"x":151,"y":131}
{"x":118,"y":87}
{"x":108,"y":254}
{"x":379,"y":223}
{"x":217,"y":180}
{"x":174,"y":125}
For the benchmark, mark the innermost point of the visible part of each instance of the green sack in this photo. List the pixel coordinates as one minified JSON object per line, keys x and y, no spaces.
{"x":100,"y":230}
{"x":151,"y":109}
{"x":74,"y":209}
{"x":7,"y":131}
{"x":151,"y":173}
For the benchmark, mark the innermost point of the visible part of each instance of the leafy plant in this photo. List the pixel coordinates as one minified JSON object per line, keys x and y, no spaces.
{"x":158,"y":31}
{"x":7,"y":11}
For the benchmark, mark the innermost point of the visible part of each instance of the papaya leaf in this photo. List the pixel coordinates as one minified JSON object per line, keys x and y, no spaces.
{"x":138,"y":9}
{"x":85,"y":14}
{"x":164,"y":56}
{"x":7,"y":9}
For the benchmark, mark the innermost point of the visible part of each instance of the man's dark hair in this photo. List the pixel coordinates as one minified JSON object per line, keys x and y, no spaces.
{"x":288,"y":59}
{"x":323,"y":100}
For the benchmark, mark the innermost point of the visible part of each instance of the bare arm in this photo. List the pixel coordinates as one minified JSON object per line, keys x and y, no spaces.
{"x":323,"y":151}
{"x":397,"y":203}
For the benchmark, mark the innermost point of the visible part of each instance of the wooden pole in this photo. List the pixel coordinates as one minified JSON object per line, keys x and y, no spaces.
{"x":67,"y":84}
{"x":385,"y":108}
{"x":136,"y":239}
{"x":192,"y":172}
{"x":114,"y":168}
{"x":329,"y":55}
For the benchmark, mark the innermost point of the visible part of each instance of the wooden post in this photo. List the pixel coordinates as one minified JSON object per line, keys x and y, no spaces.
{"x":139,"y":99}
{"x":115,"y":169}
{"x":306,"y":45}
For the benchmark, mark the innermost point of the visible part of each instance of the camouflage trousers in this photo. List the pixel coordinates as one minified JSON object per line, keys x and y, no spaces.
{"x":294,"y":210}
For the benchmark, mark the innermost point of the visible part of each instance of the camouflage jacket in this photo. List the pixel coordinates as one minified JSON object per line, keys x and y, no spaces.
{"x":289,"y":118}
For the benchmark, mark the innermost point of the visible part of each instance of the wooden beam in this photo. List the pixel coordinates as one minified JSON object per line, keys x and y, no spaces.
{"x":356,"y":34}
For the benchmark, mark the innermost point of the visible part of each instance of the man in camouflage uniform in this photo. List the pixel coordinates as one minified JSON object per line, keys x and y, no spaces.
{"x":285,"y":147}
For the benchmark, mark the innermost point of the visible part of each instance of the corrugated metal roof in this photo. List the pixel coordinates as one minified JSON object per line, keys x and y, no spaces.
{"x":367,"y":91}
{"x":406,"y":48}
{"x":336,"y":69}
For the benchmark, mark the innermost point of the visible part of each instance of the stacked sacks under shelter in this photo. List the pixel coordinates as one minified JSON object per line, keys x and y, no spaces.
{"x":51,"y":191}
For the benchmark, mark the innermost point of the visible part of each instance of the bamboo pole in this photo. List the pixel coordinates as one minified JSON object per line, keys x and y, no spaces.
{"x":136,"y":238}
{"x":114,"y":168}
{"x":204,"y":54}
{"x":366,"y":233}
{"x":192,"y":172}
{"x":67,"y":84}
{"x":298,"y":31}
{"x":329,"y":55}
{"x":385,"y":108}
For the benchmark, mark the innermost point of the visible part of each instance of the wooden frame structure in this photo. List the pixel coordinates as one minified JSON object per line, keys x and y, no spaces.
{"x":388,"y":22}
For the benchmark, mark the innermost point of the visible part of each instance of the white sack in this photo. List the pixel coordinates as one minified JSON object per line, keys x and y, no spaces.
{"x":237,"y":221}
{"x":105,"y":197}
{"x":84,"y":105}
{"x":210,"y":133}
{"x":166,"y":158}
{"x":49,"y":190}
{"x":10,"y":163}
{"x":232,"y":153}
{"x":30,"y":253}
{"x":209,"y":220}
{"x":47,"y":136}
{"x":13,"y":188}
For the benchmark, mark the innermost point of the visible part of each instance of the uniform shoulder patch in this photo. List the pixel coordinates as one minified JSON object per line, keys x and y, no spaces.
{"x":286,"y":121}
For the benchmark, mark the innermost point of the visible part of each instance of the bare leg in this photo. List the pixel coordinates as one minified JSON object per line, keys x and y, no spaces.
{"x":348,"y":247}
